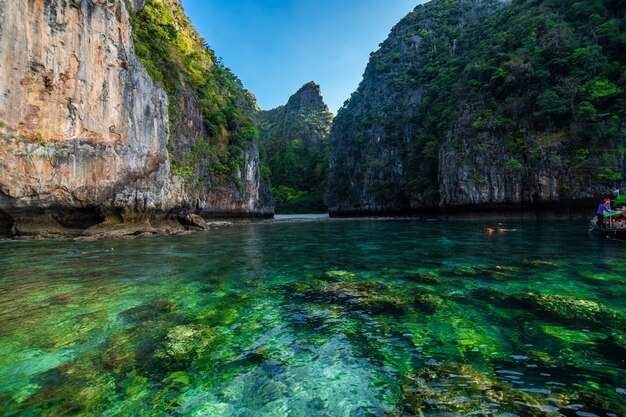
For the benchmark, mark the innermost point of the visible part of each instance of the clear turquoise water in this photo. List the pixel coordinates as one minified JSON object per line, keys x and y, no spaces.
{"x":331,"y":318}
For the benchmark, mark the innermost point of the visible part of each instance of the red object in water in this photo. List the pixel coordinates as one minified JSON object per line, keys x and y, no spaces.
{"x":502,"y":230}
{"x":490,"y":230}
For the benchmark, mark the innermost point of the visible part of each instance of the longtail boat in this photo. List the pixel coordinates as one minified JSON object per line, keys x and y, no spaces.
{"x":614,"y":222}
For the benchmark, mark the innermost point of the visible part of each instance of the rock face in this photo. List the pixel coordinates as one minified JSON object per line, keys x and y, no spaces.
{"x":213,"y":138}
{"x":462,"y":107}
{"x":84,"y":128}
{"x":294,"y":140}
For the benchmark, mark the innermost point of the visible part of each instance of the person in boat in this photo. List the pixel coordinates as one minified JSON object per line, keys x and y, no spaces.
{"x":603,"y":208}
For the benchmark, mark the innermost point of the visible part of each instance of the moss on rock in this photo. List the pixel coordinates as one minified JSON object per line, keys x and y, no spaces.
{"x":149,"y":312}
{"x":338,"y":276}
{"x":368,"y":296}
{"x":459,"y":389}
{"x":428,"y":303}
{"x":183,"y":344}
{"x":422,"y":277}
{"x":462,"y":390}
{"x":570,"y":309}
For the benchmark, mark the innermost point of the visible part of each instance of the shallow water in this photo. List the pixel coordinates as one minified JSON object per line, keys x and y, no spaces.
{"x":331,"y":318}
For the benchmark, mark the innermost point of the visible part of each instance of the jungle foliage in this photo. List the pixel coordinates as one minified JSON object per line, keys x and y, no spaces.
{"x":539,"y":74}
{"x":181,"y":61}
{"x":294,"y":149}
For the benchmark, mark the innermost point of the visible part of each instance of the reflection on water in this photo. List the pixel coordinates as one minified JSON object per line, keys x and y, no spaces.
{"x":331,"y":318}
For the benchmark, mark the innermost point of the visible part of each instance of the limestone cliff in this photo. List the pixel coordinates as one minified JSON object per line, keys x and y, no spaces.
{"x":485,"y":104}
{"x":294,"y":140}
{"x":213,"y":136}
{"x":84,"y":128}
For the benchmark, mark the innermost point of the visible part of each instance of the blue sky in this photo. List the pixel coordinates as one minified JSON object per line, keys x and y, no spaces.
{"x":277,"y":46}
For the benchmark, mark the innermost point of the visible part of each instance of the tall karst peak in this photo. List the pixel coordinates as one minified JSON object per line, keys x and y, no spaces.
{"x":294,"y":140}
{"x":308,"y":97}
{"x":485,"y":103}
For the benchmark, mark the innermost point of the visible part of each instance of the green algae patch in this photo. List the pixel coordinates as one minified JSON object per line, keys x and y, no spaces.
{"x":574,"y":337}
{"x":571,"y":309}
{"x":364,"y":295}
{"x":489,"y":295}
{"x":150,"y":311}
{"x":459,"y":389}
{"x":462,"y":390}
{"x":429,"y":303}
{"x":221,"y":316}
{"x":184,"y":343}
{"x":338,"y":276}
{"x":429,"y":277}
{"x":135,"y":386}
{"x":462,"y":272}
{"x":501,"y":273}
{"x":540,"y":264}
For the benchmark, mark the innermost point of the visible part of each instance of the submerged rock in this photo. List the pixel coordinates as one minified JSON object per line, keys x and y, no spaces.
{"x":428,"y":303}
{"x":364,"y":295}
{"x":296,"y":287}
{"x":490,"y":273}
{"x":585,"y":404}
{"x":539,"y":263}
{"x":429,"y":278}
{"x":184,"y":343}
{"x":193,"y":221}
{"x":426,"y":278}
{"x":370,"y":296}
{"x":136,"y":348}
{"x":148,"y":312}
{"x":500,"y":273}
{"x":454,"y":389}
{"x":119,"y":355}
{"x":460,"y":389}
{"x":74,"y":388}
{"x":488,"y":294}
{"x":338,"y":276}
{"x":462,"y":272}
{"x":570,"y":309}
{"x":614,"y":349}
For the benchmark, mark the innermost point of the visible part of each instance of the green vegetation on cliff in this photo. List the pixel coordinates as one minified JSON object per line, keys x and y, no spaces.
{"x":294,"y":147}
{"x":525,"y":86}
{"x":211,"y":114}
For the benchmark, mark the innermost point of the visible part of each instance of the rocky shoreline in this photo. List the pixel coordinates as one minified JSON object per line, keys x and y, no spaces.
{"x":51,"y":226}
